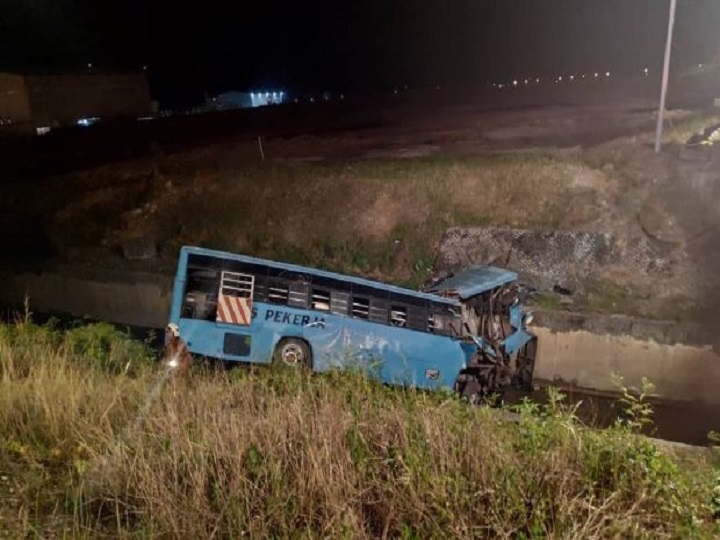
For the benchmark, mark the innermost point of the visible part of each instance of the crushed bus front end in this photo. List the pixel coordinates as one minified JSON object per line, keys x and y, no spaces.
{"x":499,"y":347}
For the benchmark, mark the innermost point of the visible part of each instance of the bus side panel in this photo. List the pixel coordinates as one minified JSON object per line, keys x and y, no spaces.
{"x":271,"y":323}
{"x":405,"y":357}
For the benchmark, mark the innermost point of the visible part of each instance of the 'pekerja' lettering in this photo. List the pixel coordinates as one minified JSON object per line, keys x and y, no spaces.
{"x":284,"y":317}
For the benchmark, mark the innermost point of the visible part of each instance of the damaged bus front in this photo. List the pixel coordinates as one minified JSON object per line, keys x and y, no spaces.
{"x":503,"y":350}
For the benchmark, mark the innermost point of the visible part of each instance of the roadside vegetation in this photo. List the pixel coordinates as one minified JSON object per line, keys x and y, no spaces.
{"x":378,"y":218}
{"x":92,"y":445}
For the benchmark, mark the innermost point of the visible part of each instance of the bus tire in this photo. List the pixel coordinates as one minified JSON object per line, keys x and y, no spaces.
{"x":293,"y":352}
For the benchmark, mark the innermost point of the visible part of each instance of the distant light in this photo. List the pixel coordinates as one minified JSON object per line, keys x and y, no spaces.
{"x":43,"y":130}
{"x":701,"y":66}
{"x":515,"y":83}
{"x":526,"y":81}
{"x":607,"y":73}
{"x":537,"y":81}
{"x":572,"y":77}
{"x":145,"y":68}
{"x":560,"y":78}
{"x":583,"y":75}
{"x":597,"y":74}
{"x":84,"y":122}
{"x":89,"y":65}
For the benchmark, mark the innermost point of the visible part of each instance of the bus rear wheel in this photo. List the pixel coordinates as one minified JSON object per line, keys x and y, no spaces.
{"x":293,"y":352}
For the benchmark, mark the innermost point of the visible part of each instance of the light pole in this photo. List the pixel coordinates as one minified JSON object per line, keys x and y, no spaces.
{"x":666,"y":73}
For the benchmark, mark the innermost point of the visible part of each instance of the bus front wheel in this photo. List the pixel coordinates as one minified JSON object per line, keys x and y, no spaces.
{"x":293,"y":352}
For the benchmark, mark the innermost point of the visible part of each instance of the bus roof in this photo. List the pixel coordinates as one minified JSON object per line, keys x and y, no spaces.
{"x":320,"y":273}
{"x":472,"y":281}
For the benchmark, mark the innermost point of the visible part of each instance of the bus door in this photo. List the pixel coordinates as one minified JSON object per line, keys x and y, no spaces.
{"x":324,"y":332}
{"x":234,"y":312}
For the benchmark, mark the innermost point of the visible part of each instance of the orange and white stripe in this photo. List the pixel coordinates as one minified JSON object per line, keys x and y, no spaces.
{"x":234,"y":310}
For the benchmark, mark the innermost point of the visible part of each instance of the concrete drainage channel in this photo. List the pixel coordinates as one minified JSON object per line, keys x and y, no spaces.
{"x":576,"y":352}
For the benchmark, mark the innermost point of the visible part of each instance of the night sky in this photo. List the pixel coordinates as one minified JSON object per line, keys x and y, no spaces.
{"x":349,"y":45}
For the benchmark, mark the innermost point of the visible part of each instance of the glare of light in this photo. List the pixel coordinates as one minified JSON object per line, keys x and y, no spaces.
{"x":89,"y":65}
{"x":43,"y":130}
{"x":597,"y":74}
{"x":582,"y":76}
{"x":560,"y":78}
{"x":500,"y":86}
{"x":572,"y":77}
{"x":515,"y":83}
{"x":646,"y":70}
{"x":537,"y":81}
{"x":700,"y":66}
{"x":607,"y":73}
{"x":526,"y":81}
{"x":145,"y":68}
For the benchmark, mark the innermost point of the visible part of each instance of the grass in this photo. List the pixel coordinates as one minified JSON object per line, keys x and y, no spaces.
{"x":380,"y":218}
{"x":274,"y":453}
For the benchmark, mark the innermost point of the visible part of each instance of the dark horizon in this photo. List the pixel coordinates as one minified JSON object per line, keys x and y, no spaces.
{"x":370,"y":45}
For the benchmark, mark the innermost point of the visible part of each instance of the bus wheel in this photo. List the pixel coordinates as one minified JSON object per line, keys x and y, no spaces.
{"x":293,"y":352}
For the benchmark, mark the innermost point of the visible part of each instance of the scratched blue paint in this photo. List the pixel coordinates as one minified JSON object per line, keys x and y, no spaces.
{"x":394,"y":355}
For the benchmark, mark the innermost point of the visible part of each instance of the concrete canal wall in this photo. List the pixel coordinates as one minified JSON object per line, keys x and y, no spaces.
{"x":574,"y":350}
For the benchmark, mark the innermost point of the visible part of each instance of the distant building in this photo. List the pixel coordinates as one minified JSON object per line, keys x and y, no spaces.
{"x":42,"y":101}
{"x":244,"y":100}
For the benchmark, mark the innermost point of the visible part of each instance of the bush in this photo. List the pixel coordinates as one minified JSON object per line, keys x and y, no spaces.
{"x":276,"y":453}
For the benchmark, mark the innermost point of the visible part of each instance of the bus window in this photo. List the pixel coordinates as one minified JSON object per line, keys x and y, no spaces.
{"x":320,"y":300}
{"x":278,"y":291}
{"x":443,"y":321}
{"x":339,"y":302}
{"x":398,"y":316}
{"x":201,"y":290}
{"x":417,"y":318}
{"x":236,"y":344}
{"x":378,"y":311}
{"x":298,"y":294}
{"x":360,"y":307}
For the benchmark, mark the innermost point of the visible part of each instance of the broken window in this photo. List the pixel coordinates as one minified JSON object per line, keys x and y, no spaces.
{"x":201,"y":288}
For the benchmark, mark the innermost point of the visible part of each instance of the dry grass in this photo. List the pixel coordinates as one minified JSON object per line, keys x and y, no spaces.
{"x":228,"y":454}
{"x":379,"y":218}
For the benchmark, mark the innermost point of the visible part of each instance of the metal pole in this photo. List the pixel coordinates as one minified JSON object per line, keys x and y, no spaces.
{"x":666,"y":74}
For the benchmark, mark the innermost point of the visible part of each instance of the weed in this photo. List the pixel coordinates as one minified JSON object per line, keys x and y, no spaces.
{"x":280,"y":453}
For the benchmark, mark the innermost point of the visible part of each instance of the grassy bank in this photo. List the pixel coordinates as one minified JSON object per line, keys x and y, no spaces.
{"x":377,"y":218}
{"x":270,"y":453}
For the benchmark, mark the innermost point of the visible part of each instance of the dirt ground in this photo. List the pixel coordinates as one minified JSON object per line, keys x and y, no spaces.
{"x":373,"y":197}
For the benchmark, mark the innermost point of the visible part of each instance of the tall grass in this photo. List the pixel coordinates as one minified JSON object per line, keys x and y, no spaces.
{"x":275,"y":453}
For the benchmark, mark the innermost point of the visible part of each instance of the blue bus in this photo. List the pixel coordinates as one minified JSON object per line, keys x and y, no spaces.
{"x":465,"y":332}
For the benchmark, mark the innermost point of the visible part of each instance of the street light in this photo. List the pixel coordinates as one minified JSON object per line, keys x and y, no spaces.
{"x":666,"y":72}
